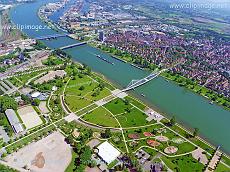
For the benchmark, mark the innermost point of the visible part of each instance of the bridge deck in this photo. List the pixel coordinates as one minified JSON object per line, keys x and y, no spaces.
{"x":73,"y":45}
{"x":142,"y":81}
{"x":51,"y":36}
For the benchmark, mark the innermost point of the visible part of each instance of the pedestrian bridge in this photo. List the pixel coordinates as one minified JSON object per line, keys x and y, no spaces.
{"x":137,"y":83}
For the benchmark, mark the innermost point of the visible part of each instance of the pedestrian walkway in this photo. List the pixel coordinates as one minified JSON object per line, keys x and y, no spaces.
{"x":4,"y":135}
{"x":214,"y":161}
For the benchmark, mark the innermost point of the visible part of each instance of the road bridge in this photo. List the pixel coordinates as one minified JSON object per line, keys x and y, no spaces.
{"x":73,"y":45}
{"x":51,"y":36}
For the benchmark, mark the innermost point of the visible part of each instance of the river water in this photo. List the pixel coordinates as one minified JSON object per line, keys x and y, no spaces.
{"x":189,"y":108}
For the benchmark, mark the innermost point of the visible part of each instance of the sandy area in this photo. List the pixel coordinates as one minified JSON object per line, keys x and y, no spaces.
{"x":199,"y":155}
{"x":50,"y":154}
{"x":50,"y":76}
{"x":171,"y":150}
{"x":29,"y":117}
{"x":43,"y":108}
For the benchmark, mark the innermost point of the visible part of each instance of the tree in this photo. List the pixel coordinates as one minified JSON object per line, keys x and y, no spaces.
{"x":106,"y":134}
{"x":36,"y":102}
{"x":81,"y":88}
{"x":88,"y":70}
{"x":101,"y":85}
{"x":195,"y":132}
{"x":26,"y":99}
{"x":7,"y":102}
{"x":173,"y":121}
{"x":126,"y":101}
{"x":83,"y":158}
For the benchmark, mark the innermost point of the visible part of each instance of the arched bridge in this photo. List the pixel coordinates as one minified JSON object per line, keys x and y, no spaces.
{"x":137,"y":83}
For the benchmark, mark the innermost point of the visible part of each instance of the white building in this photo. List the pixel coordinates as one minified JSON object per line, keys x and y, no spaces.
{"x":14,"y":121}
{"x":35,"y":95}
{"x":107,"y":152}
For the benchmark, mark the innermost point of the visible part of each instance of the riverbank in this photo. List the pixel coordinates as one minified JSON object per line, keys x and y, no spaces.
{"x":181,"y":127}
{"x":212,"y":96}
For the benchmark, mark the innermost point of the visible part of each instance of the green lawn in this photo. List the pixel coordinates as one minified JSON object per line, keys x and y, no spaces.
{"x":102,"y":94}
{"x":74,"y":85}
{"x":150,"y":151}
{"x":76,"y":103}
{"x":15,"y":82}
{"x":184,"y":164}
{"x":117,"y":106}
{"x":117,"y":141}
{"x":222,"y":168}
{"x":133,"y":119}
{"x":184,"y":147}
{"x":136,"y":103}
{"x":79,"y":93}
{"x":102,"y":117}
{"x":87,"y":109}
{"x":26,"y":77}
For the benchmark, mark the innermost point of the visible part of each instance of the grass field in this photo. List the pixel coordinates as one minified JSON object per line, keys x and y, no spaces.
{"x":83,"y":91}
{"x":101,"y":117}
{"x":74,"y":85}
{"x":134,"y":118}
{"x":15,"y":82}
{"x":136,"y":103}
{"x":76,"y":103}
{"x":24,"y":78}
{"x":142,"y":130}
{"x":184,"y":163}
{"x":117,"y":106}
{"x":222,"y":168}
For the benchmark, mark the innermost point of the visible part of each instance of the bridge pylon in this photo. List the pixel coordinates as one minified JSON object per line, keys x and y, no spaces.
{"x":132,"y":83}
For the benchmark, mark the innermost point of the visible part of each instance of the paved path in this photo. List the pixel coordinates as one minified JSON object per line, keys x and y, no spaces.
{"x":4,"y":134}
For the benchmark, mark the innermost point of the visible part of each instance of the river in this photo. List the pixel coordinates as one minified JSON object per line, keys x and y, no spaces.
{"x":190,"y":109}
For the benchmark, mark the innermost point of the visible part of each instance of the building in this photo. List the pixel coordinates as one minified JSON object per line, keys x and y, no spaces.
{"x":35,"y":95}
{"x":14,"y":121}
{"x":101,"y":36}
{"x":107,"y":152}
{"x":156,"y":167}
{"x":38,"y":95}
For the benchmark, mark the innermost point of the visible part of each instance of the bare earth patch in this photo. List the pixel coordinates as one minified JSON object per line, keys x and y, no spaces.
{"x":39,"y":160}
{"x":29,"y":117}
{"x":199,"y":155}
{"x":51,"y":154}
{"x":162,"y":138}
{"x":171,"y":150}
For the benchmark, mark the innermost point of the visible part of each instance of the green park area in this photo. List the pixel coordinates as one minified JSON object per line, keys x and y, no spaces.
{"x":27,"y":75}
{"x":102,"y":117}
{"x":82,"y":91}
{"x":89,"y":96}
{"x":183,"y":163}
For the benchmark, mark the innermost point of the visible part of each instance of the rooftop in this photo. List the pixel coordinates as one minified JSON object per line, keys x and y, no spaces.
{"x":107,"y":152}
{"x":14,"y":121}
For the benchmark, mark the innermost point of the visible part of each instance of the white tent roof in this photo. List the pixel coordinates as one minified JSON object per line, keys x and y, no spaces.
{"x":35,"y":94}
{"x":107,"y":152}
